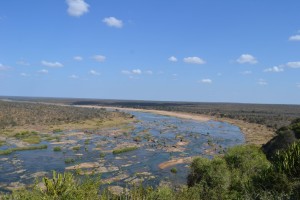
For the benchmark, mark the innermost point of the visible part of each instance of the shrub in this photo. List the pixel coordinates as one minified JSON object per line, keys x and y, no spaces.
{"x":69,"y":160}
{"x":76,"y":148}
{"x":61,"y":187}
{"x":211,"y":177}
{"x":123,"y":150}
{"x":288,"y":161}
{"x":57,"y":149}
{"x":174,"y":170}
{"x":102,"y":155}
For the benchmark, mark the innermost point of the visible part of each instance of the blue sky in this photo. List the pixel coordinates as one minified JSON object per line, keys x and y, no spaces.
{"x":193,"y":50}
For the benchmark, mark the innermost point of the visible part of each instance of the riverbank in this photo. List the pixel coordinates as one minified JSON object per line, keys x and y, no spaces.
{"x":256,"y":134}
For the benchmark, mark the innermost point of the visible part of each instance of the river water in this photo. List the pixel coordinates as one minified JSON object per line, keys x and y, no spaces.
{"x":160,"y":139}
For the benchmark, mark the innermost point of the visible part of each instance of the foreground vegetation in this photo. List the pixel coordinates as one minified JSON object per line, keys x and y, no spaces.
{"x":244,"y":172}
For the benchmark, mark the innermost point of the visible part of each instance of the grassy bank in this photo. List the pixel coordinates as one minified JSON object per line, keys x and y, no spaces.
{"x":123,"y":150}
{"x":9,"y":151}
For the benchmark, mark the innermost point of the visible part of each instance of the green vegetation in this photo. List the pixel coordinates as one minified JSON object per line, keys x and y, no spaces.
{"x":123,"y":150}
{"x":57,"y":149}
{"x":174,"y":170}
{"x":2,"y":143}
{"x":9,"y":151}
{"x":57,"y":130}
{"x":69,"y":160}
{"x":87,"y":141}
{"x":243,"y":173}
{"x":102,"y":155}
{"x":230,"y":177}
{"x":76,"y":148}
{"x":29,"y":137}
{"x":137,"y":138}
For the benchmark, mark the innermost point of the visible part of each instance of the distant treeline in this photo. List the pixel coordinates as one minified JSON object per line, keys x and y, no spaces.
{"x":271,"y":115}
{"x":20,"y":113}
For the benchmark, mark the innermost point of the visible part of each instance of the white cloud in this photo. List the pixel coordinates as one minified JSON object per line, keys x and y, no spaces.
{"x":43,"y":71}
{"x":77,"y":8}
{"x":194,"y":60}
{"x":73,"y":76}
{"x":148,"y":72}
{"x":78,"y":58}
{"x":293,"y":64}
{"x":262,"y":82}
{"x":51,"y":64}
{"x":246,"y":58}
{"x":294,"y":38}
{"x":93,"y":72}
{"x":172,"y":59}
{"x":274,"y":69}
{"x":3,"y":67}
{"x":99,"y":58}
{"x":113,"y":22}
{"x":24,"y":74}
{"x":247,"y":72}
{"x":136,"y":71}
{"x":206,"y":80}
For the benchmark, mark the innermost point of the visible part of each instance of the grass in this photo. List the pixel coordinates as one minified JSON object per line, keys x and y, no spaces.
{"x":57,"y":130}
{"x":34,"y":139}
{"x":9,"y":151}
{"x":76,"y":148}
{"x":87,"y":141}
{"x":123,"y":150}
{"x":69,"y":160}
{"x":2,"y":143}
{"x":57,"y":149}
{"x":29,"y":137}
{"x":137,"y":138}
{"x":174,"y":170}
{"x":102,"y":155}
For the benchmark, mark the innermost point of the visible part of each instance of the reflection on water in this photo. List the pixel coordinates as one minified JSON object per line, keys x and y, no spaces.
{"x":160,"y":138}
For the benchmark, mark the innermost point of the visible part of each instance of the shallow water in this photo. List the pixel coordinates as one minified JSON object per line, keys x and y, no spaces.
{"x":158,"y":134}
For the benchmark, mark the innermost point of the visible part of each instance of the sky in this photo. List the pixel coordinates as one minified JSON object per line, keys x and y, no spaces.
{"x":245,"y":51}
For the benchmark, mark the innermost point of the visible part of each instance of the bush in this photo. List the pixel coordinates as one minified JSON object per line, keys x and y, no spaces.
{"x":211,"y":177}
{"x":174,"y":170}
{"x":123,"y":150}
{"x":61,"y":187}
{"x":288,"y":161}
{"x":76,"y":148}
{"x":272,"y":181}
{"x":69,"y":160}
{"x":57,"y":149}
